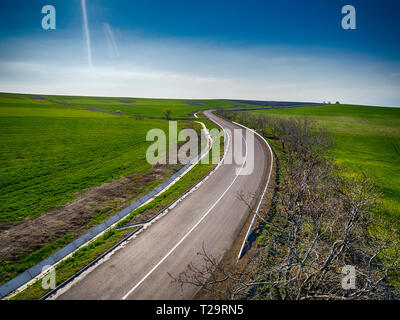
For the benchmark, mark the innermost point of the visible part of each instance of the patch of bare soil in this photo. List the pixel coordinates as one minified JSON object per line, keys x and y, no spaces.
{"x":19,"y":238}
{"x":127,"y":101}
{"x":38,"y":98}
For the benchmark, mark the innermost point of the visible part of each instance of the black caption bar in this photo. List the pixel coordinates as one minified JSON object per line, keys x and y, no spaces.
{"x":191,"y":309}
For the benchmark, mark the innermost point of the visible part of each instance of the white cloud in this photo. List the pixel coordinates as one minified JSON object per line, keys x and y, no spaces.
{"x":189,"y":69}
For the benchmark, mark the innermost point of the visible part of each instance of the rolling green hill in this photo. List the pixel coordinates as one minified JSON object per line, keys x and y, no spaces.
{"x":147,"y":107}
{"x":50,"y":151}
{"x":366,"y":138}
{"x":54,"y":146}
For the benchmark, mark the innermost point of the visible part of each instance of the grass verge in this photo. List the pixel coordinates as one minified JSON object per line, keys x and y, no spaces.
{"x":90,"y":252}
{"x":366,"y":139}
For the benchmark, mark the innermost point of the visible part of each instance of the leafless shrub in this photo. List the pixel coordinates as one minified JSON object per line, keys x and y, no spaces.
{"x":322,"y":223}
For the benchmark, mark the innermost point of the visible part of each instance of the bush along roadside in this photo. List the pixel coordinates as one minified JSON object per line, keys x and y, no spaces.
{"x":321,"y":239}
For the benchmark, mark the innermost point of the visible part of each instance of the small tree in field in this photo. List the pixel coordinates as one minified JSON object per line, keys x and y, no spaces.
{"x":167,"y":113}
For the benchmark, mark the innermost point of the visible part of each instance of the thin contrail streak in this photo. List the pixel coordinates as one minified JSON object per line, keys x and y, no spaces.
{"x":112,"y":45}
{"x":87,"y":33}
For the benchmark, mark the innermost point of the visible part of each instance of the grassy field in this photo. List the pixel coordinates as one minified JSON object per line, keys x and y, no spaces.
{"x":147,"y":107}
{"x":89,"y":253}
{"x":366,"y":138}
{"x":51,"y":151}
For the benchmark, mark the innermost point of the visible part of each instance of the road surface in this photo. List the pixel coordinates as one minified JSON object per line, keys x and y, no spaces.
{"x":212,"y":215}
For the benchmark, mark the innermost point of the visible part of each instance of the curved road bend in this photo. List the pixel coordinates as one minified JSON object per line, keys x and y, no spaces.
{"x":211,"y":214}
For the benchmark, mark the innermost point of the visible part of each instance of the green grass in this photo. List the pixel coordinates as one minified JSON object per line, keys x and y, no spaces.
{"x":76,"y":262}
{"x":89,"y":253}
{"x":366,"y":138}
{"x":49,"y":152}
{"x":9,"y":269}
{"x":186,"y":182}
{"x":147,"y":107}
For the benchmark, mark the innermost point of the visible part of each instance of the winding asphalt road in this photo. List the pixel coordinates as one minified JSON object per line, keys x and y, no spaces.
{"x":212,"y":215}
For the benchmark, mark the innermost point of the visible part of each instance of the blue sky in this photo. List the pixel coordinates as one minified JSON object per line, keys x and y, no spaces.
{"x":269,"y":50}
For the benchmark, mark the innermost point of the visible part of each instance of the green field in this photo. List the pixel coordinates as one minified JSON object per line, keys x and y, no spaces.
{"x":52,"y":148}
{"x":365,"y":138}
{"x":147,"y":107}
{"x":50,"y":151}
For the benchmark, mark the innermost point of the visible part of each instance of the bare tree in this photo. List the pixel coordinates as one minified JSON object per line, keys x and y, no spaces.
{"x":322,"y":222}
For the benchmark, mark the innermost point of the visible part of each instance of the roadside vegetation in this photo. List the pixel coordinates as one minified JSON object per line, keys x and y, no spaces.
{"x":60,"y":174}
{"x":65,"y":169}
{"x":366,"y":139}
{"x":184,"y":184}
{"x":321,"y":219}
{"x":79,"y":259}
{"x":89,"y":253}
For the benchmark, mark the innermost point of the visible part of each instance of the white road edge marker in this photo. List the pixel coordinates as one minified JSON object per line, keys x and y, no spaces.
{"x":264,"y":192}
